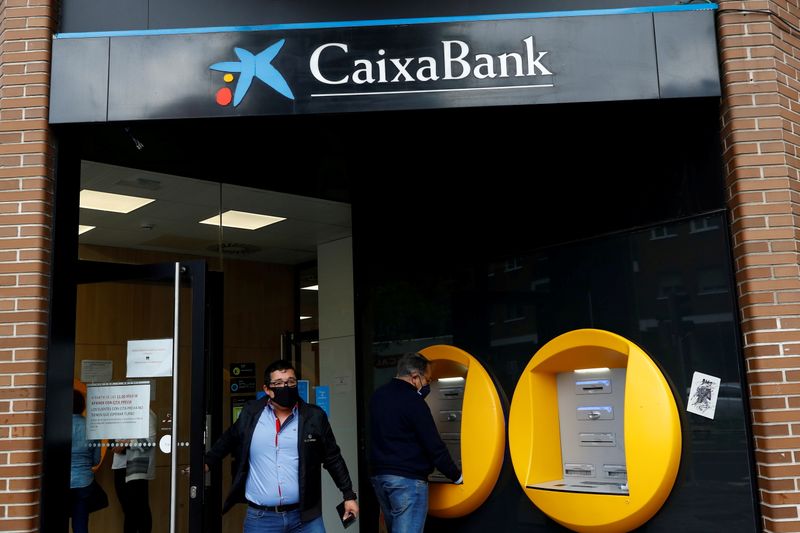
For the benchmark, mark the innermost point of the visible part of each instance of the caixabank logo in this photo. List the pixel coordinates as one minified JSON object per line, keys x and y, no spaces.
{"x":366,"y":68}
{"x":250,"y":66}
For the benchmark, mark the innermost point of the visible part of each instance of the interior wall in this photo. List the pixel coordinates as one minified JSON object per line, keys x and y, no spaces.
{"x":337,"y":363}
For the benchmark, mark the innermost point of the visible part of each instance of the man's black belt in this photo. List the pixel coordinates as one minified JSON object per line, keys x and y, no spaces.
{"x":275,"y":508}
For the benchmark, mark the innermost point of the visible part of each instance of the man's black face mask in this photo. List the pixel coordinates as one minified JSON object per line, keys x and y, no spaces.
{"x":286,"y":396}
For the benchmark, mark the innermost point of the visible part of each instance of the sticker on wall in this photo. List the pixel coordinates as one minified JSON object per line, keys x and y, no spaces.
{"x":342,"y":384}
{"x":149,"y":358}
{"x":703,"y":395}
{"x":322,"y":397}
{"x":302,"y":389}
{"x":97,"y":371}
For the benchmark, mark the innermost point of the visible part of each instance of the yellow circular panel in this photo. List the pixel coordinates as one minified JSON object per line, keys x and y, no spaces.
{"x":482,"y":434}
{"x":652,"y":433}
{"x":228,"y":77}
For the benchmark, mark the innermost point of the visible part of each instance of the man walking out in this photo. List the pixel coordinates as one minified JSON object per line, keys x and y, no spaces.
{"x":280,"y":444}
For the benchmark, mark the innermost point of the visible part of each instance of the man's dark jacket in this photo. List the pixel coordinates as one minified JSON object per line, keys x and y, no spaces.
{"x":316,"y":446}
{"x":404,"y":439}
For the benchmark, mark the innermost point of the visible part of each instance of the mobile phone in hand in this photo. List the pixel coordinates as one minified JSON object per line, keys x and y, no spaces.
{"x":345,"y":521}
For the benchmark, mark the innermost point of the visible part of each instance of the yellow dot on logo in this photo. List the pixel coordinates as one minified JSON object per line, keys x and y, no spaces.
{"x":228,"y":78}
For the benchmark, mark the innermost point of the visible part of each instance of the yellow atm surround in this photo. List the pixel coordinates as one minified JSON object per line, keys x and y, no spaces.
{"x":652,"y":433}
{"x":483,"y":433}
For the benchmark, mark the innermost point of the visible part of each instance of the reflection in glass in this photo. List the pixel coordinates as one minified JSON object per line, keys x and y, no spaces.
{"x":667,"y":288}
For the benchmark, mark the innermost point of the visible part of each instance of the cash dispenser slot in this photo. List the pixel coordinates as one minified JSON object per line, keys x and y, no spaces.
{"x":615,"y":471}
{"x":597,"y":439}
{"x":578,"y":470}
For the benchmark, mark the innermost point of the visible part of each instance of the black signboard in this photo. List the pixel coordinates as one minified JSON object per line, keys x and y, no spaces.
{"x":369,"y":68}
{"x":237,"y":403}
{"x":243,"y":370}
{"x":243,"y":385}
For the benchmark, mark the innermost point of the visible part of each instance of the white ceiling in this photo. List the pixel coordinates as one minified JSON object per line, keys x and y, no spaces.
{"x":171,"y":223}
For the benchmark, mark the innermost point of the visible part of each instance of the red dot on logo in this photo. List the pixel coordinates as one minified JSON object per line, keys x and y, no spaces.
{"x":224,"y":96}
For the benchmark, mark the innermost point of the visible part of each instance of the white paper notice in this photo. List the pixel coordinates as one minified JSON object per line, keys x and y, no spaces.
{"x":118,"y":411}
{"x":97,"y":371}
{"x":342,"y":384}
{"x":149,"y":358}
{"x":703,"y":395}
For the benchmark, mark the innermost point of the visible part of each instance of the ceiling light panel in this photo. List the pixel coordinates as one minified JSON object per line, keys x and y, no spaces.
{"x":242,"y":220}
{"x":114,"y":203}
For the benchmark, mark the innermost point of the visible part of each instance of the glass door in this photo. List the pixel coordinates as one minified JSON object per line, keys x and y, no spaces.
{"x":140,"y":367}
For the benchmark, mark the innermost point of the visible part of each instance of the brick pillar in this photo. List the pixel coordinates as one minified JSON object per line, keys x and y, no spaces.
{"x":26,"y":203}
{"x":761,"y":136}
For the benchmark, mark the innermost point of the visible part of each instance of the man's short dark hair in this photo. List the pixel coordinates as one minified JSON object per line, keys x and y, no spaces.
{"x":280,"y":364}
{"x":78,"y":402}
{"x":411,"y":363}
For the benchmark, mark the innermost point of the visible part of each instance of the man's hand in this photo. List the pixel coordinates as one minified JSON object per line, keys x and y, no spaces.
{"x":350,"y":509}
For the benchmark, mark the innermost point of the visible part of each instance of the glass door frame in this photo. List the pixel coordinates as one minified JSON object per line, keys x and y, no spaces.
{"x":57,"y":434}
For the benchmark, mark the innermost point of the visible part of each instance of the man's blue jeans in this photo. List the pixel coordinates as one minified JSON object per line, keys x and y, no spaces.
{"x":404,"y":502}
{"x":269,"y":522}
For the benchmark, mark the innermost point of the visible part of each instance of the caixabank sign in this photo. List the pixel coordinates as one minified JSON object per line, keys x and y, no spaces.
{"x":367,"y":74}
{"x":384,"y":65}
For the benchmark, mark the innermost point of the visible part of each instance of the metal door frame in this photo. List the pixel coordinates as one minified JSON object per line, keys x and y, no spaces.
{"x":55,"y":469}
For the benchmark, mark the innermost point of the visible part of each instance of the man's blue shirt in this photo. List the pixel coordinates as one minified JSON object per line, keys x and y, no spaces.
{"x":274,"y":460}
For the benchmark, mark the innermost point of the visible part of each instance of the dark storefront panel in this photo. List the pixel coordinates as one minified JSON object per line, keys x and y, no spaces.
{"x":104,"y":15}
{"x":499,"y":271}
{"x":668,"y":288}
{"x":290,"y":71}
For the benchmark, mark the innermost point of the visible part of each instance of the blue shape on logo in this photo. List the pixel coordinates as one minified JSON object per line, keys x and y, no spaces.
{"x":259,"y":66}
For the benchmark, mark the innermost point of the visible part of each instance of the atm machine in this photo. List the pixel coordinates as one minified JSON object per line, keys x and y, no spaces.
{"x":591,"y":405}
{"x":469,"y":416}
{"x":594,"y":432}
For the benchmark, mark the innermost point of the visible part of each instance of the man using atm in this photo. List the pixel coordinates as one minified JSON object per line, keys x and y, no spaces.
{"x":405,"y":446}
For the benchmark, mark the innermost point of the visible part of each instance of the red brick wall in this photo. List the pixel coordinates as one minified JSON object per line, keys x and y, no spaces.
{"x":761,"y":136}
{"x":26,"y":201}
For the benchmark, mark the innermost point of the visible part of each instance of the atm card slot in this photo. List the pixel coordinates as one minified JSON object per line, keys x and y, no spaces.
{"x":451,"y":393}
{"x":597,"y":439}
{"x":593,"y":386}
